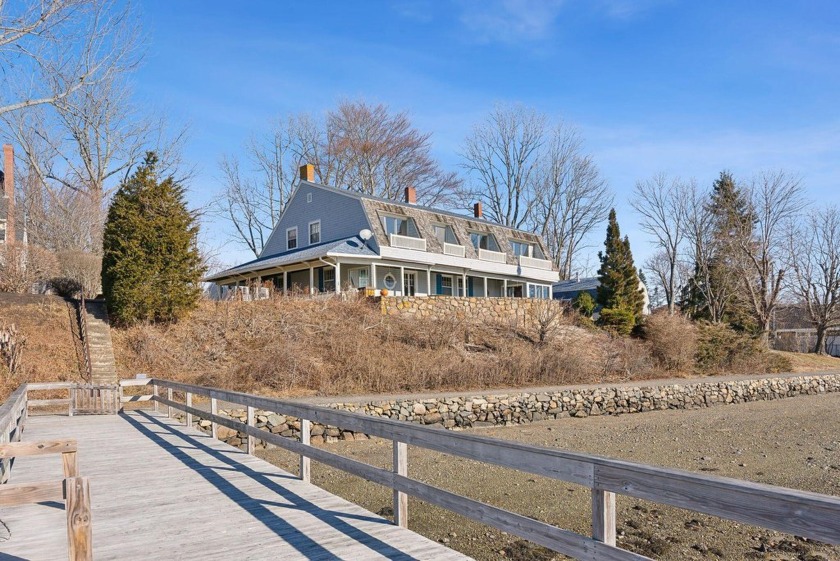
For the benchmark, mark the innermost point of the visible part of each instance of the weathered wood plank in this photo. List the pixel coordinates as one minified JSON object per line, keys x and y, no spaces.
{"x":79,"y":527}
{"x":400,"y":498}
{"x":603,"y":516}
{"x":37,"y":448}
{"x":305,"y":439}
{"x":801,"y":513}
{"x":47,"y":402}
{"x":28,"y":493}
{"x":252,"y":443}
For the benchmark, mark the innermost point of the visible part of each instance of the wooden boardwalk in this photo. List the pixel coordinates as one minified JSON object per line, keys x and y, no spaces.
{"x":162,"y":491}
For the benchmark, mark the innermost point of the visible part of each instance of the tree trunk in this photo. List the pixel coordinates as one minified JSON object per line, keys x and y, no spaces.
{"x":819,"y":348}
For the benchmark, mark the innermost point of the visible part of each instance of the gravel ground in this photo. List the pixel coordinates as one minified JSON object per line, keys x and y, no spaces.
{"x":793,"y":443}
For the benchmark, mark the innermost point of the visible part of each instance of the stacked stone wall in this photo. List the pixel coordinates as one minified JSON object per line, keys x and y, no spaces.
{"x":506,"y":409}
{"x":472,"y":309}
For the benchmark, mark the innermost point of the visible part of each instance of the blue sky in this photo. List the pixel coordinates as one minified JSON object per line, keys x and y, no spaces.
{"x":688,"y":88}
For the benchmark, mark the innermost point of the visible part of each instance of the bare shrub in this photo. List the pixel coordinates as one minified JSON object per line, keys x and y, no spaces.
{"x":22,"y":266}
{"x":11,"y":348}
{"x":84,"y":268}
{"x":673,"y":341}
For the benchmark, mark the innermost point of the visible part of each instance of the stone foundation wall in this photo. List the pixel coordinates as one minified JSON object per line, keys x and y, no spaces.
{"x":516,"y":408}
{"x":478,"y":310}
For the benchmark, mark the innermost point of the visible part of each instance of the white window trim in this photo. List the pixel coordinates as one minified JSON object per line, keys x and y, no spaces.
{"x":297,"y":240}
{"x":393,"y":279}
{"x":408,"y":219}
{"x":309,"y":231}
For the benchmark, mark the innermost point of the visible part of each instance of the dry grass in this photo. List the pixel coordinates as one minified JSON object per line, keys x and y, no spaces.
{"x":802,"y":362}
{"x":330,"y":347}
{"x":49,"y":351}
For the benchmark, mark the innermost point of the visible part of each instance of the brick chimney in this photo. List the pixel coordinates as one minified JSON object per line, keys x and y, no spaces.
{"x":411,"y":195}
{"x":477,"y":210}
{"x":9,"y":190}
{"x":307,"y":173}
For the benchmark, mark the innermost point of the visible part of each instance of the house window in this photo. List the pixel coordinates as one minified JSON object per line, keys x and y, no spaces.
{"x":484,"y":240}
{"x":445,"y":234}
{"x":2,"y":231}
{"x":526,"y":249}
{"x":291,"y":238}
{"x":362,"y":278}
{"x":329,"y":279}
{"x":390,"y":281}
{"x":540,"y":292}
{"x":410,"y":283}
{"x":401,"y":226}
{"x":314,"y":232}
{"x":446,"y":286}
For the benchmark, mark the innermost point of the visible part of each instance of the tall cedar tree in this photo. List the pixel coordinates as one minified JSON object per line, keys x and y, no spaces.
{"x":151,"y":267}
{"x":619,"y":295}
{"x":731,"y":215}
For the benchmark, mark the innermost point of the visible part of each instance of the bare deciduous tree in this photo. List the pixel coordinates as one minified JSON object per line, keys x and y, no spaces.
{"x":775,"y":199}
{"x":50,"y":49}
{"x":661,"y":201}
{"x":572,"y":197}
{"x":502,"y":158}
{"x":379,"y":153}
{"x":814,"y":257}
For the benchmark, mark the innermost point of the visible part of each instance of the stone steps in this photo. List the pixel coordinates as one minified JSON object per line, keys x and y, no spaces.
{"x":102,"y":363}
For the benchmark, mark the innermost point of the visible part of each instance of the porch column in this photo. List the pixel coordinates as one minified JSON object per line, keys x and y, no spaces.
{"x":429,"y":281}
{"x":337,"y":277}
{"x":464,"y":287}
{"x":257,"y":289}
{"x":402,"y":281}
{"x":285,"y":282}
{"x":485,"y":288}
{"x":311,"y":279}
{"x":504,"y":288}
{"x":373,"y":275}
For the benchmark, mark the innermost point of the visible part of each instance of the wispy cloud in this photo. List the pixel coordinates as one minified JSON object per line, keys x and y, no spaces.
{"x":510,"y":21}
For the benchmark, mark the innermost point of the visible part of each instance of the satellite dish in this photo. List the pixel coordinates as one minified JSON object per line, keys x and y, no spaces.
{"x":365,"y":234}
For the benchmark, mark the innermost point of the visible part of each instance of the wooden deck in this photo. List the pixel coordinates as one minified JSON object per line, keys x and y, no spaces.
{"x":162,"y":491}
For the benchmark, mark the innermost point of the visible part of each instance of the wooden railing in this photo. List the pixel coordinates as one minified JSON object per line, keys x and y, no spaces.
{"x":73,"y":490}
{"x":801,"y":513}
{"x":83,"y":331}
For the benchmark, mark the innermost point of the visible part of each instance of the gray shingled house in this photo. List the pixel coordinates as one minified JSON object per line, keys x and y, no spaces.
{"x":329,"y":240}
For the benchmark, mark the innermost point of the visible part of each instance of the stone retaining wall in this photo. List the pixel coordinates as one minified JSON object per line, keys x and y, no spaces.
{"x":476,"y":310}
{"x":517,"y":408}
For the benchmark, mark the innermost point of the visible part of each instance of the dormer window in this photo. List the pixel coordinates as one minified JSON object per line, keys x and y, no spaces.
{"x":445,"y":234}
{"x":526,"y":249}
{"x":400,"y":226}
{"x":484,"y":240}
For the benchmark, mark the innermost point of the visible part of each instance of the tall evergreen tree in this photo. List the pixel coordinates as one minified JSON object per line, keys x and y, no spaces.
{"x":713,"y":292}
{"x":619,"y":294}
{"x":151,"y":267}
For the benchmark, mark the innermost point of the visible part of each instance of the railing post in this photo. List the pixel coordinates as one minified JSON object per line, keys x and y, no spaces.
{"x":77,"y":505}
{"x":72,"y":405}
{"x":169,"y":407}
{"x":71,"y":467}
{"x":251,"y":441}
{"x":189,"y":404}
{"x":400,"y":499}
{"x":305,"y":432}
{"x":155,"y":394}
{"x":603,"y":516}
{"x":214,"y":409}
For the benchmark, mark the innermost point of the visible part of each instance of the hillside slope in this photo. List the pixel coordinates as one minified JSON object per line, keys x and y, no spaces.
{"x":50,"y":349}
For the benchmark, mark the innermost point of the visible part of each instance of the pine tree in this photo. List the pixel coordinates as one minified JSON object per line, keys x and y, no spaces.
{"x":731,"y":219}
{"x":619,"y":295}
{"x":151,"y":267}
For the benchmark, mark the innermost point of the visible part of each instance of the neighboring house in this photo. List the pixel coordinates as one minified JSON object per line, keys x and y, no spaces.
{"x":329,"y":240}
{"x":793,"y":331}
{"x":569,"y":289}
